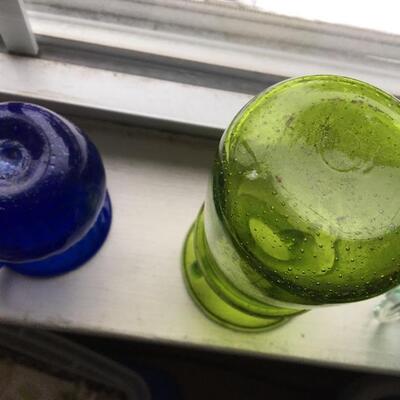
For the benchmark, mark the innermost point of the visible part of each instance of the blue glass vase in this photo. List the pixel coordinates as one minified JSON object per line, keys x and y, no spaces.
{"x":55,"y":212}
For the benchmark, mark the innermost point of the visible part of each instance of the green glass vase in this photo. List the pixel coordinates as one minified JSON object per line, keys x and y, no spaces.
{"x":303,"y":204}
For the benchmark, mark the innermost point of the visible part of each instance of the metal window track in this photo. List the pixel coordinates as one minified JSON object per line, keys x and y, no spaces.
{"x":109,"y":95}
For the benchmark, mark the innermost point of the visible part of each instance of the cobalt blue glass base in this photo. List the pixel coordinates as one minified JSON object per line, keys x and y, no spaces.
{"x":55,"y":212}
{"x":76,"y":255}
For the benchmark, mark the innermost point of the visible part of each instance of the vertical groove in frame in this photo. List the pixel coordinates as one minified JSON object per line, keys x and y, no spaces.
{"x":15,"y":28}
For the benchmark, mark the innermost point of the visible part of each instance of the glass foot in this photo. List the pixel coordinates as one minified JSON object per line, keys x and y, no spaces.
{"x":76,"y":255}
{"x":389,"y":309}
{"x":214,"y":306}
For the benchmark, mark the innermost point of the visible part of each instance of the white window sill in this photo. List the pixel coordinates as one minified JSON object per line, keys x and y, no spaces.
{"x":133,"y":287}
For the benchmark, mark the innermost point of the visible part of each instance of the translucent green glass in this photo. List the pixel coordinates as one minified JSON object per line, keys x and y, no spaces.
{"x":303,"y":207}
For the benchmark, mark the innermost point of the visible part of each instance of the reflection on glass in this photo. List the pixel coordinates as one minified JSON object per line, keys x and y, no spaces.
{"x":389,"y":309}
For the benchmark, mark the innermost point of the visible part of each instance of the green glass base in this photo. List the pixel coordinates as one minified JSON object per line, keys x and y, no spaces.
{"x":211,"y":303}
